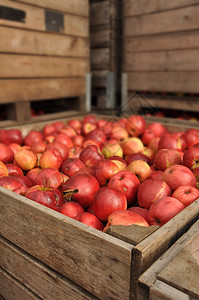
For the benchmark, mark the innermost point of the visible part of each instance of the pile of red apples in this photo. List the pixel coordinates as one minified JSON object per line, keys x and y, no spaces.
{"x":102,"y":172}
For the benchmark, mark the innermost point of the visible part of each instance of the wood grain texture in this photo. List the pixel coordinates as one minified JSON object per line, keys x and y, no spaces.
{"x":162,"y":42}
{"x":177,"y":60}
{"x":11,"y":289}
{"x":188,"y":239}
{"x":100,"y":59}
{"x":26,"y":66}
{"x":134,"y":7}
{"x":41,"y":280}
{"x":169,"y":21}
{"x":76,"y":7}
{"x":163,"y":291}
{"x":67,"y":246}
{"x":40,"y":89}
{"x":39,"y":43}
{"x":185,"y":82}
{"x":35,"y":20}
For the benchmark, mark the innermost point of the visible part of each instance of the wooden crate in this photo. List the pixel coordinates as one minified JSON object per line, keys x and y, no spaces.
{"x":176,"y":274}
{"x":44,"y":55}
{"x":105,"y":43}
{"x":160,"y":46}
{"x":51,"y":251}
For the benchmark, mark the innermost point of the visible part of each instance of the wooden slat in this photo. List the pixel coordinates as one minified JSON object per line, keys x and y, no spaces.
{"x":163,"y":291}
{"x":182,"y":60}
{"x":77,"y":7}
{"x":67,"y":246}
{"x":43,"y":281}
{"x":31,"y":42}
{"x":35,"y":20}
{"x":40,"y":89}
{"x":185,"y":82}
{"x":167,"y":41}
{"x":100,"y":36}
{"x":11,"y":289}
{"x":134,"y":7}
{"x":100,"y":59}
{"x":169,"y":21}
{"x":18,"y":66}
{"x":100,"y":13}
{"x":148,"y":278}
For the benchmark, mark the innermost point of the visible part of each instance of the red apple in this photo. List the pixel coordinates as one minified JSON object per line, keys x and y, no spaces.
{"x":191,"y":136}
{"x":143,"y":212}
{"x":75,"y":124}
{"x":23,"y":180}
{"x":6,"y":154}
{"x":60,"y":147}
{"x":172,"y":141}
{"x":10,"y":183}
{"x":112,"y":148}
{"x":125,"y":218}
{"x":78,"y":140}
{"x":88,"y":127}
{"x":74,"y":152}
{"x":191,"y":158}
{"x":25,"y":158}
{"x":82,"y":188}
{"x":140,"y":168}
{"x":115,"y":157}
{"x":51,"y":159}
{"x":12,"y":136}
{"x":186,"y":194}
{"x":48,"y":129}
{"x":137,"y":156}
{"x":104,"y":170}
{"x":97,"y":136}
{"x":132,"y":145}
{"x":71,"y":166}
{"x":155,"y":174}
{"x":150,"y":191}
{"x":13,"y":170}
{"x":88,"y":143}
{"x":90,"y":220}
{"x":58,"y":125}
{"x":22,"y":190}
{"x":39,"y":147}
{"x":32,"y":137}
{"x":49,"y":177}
{"x":164,"y":210}
{"x":165,"y":158}
{"x":14,"y":147}
{"x":91,"y":155}
{"x":69,"y":131}
{"x":127,"y":183}
{"x":72,"y":209}
{"x":3,"y":170}
{"x":154,"y":144}
{"x":119,"y":133}
{"x":85,"y":170}
{"x":158,"y":128}
{"x":178,"y":175}
{"x":64,"y":139}
{"x":147,"y":136}
{"x":47,"y":196}
{"x":135,"y":125}
{"x":89,"y":118}
{"x":32,"y":174}
{"x":106,"y":201}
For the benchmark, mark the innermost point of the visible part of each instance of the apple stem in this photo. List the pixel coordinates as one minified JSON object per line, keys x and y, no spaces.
{"x":69,"y":194}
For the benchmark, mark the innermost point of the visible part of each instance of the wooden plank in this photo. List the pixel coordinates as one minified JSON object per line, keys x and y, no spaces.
{"x":177,"y":60}
{"x":31,"y":42}
{"x":169,"y":21}
{"x":35,"y":20}
{"x":133,"y":7}
{"x":40,"y":89}
{"x":168,"y":41}
{"x":100,"y":13}
{"x":100,"y":59}
{"x":99,"y":78}
{"x":76,"y":7}
{"x":12,"y":289}
{"x":24,"y":66}
{"x":184,"y":82}
{"x":148,"y":278}
{"x":67,"y":246}
{"x":100,"y":36}
{"x":163,"y":291}
{"x":41,"y":280}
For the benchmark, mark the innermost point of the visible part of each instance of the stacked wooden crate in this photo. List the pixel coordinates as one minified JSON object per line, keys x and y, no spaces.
{"x":44,"y":54}
{"x":161,"y":45}
{"x":47,"y":255}
{"x":105,"y":43}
